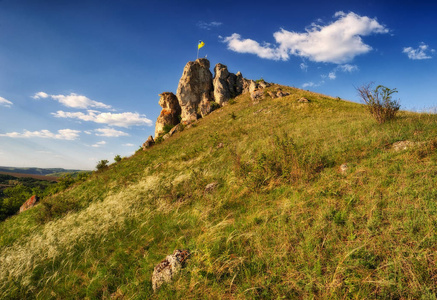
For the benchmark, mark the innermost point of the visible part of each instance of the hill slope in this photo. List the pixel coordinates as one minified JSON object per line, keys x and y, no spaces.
{"x":284,"y":221}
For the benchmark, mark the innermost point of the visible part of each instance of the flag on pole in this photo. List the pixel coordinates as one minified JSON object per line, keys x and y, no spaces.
{"x":200,"y":45}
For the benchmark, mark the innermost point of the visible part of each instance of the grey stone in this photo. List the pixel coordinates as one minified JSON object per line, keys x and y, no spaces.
{"x":195,"y":90}
{"x":167,"y":269}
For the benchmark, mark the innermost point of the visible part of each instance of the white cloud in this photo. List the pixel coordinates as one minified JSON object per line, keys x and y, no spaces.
{"x":126,"y":119}
{"x":312,"y":84}
{"x":110,"y":132}
{"x":235,"y":43}
{"x":308,"y":84}
{"x":419,"y":53}
{"x":128,"y":145}
{"x":208,"y":26}
{"x":303,"y":67}
{"x":5,"y":102}
{"x":73,"y":100}
{"x":40,"y":95}
{"x":63,"y":134}
{"x":98,"y":144}
{"x":338,"y":42}
{"x":346,"y":68}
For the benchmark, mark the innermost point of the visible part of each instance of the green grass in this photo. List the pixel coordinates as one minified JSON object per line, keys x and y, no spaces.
{"x":283,"y":223}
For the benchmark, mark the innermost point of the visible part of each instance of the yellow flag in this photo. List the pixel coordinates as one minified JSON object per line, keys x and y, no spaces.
{"x":200,"y":45}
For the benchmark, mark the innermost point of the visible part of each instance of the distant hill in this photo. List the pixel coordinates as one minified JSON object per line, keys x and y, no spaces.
{"x":38,"y":171}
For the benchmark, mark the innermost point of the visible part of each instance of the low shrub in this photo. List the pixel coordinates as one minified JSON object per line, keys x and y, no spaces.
{"x":379,"y":101}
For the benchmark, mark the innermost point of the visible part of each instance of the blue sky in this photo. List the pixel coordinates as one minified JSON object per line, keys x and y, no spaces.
{"x":79,"y":80}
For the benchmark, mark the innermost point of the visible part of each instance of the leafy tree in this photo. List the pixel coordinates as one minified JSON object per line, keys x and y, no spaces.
{"x":117,"y":158}
{"x":15,"y":197}
{"x":379,"y":101}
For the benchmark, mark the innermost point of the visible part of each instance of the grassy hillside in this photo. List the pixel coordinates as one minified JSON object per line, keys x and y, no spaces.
{"x":284,"y":222}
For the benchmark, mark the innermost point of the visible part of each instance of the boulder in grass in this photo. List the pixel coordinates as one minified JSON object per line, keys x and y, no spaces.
{"x":168,"y":268}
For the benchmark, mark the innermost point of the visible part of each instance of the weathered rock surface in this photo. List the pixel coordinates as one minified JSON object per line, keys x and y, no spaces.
{"x":228,"y":85}
{"x":168,"y":268}
{"x":303,"y":100}
{"x":149,"y":143}
{"x":256,"y":90}
{"x":31,"y":202}
{"x":170,"y":112}
{"x":211,"y":187}
{"x":281,"y":93}
{"x":195,"y":90}
{"x":402,"y":145}
{"x":222,"y":87}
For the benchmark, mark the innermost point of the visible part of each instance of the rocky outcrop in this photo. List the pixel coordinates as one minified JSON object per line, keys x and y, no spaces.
{"x":256,"y":89}
{"x":170,"y":113}
{"x":228,"y":85}
{"x":222,"y":84}
{"x":149,"y":143}
{"x":168,"y":268}
{"x":31,"y":202}
{"x":195,"y":90}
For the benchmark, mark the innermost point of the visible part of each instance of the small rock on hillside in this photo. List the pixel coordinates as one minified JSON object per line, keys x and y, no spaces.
{"x":168,"y":268}
{"x":31,"y":202}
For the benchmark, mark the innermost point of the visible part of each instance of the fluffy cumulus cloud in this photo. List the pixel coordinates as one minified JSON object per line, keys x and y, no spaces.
{"x":73,"y":100}
{"x":208,"y":25}
{"x":338,"y":42}
{"x":110,"y":132}
{"x":63,"y":134}
{"x":126,"y":119}
{"x":237,"y":44}
{"x":419,"y":53}
{"x":5,"y":102}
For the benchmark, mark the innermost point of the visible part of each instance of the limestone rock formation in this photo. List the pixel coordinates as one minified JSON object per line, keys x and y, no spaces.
{"x":228,"y":85}
{"x":195,"y":90}
{"x":168,"y":268}
{"x":170,"y":112}
{"x":222,"y":84}
{"x":149,"y":143}
{"x":31,"y":202}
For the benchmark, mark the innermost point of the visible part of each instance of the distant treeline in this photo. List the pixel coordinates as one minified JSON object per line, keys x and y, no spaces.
{"x":38,"y":171}
{"x":14,"y":191}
